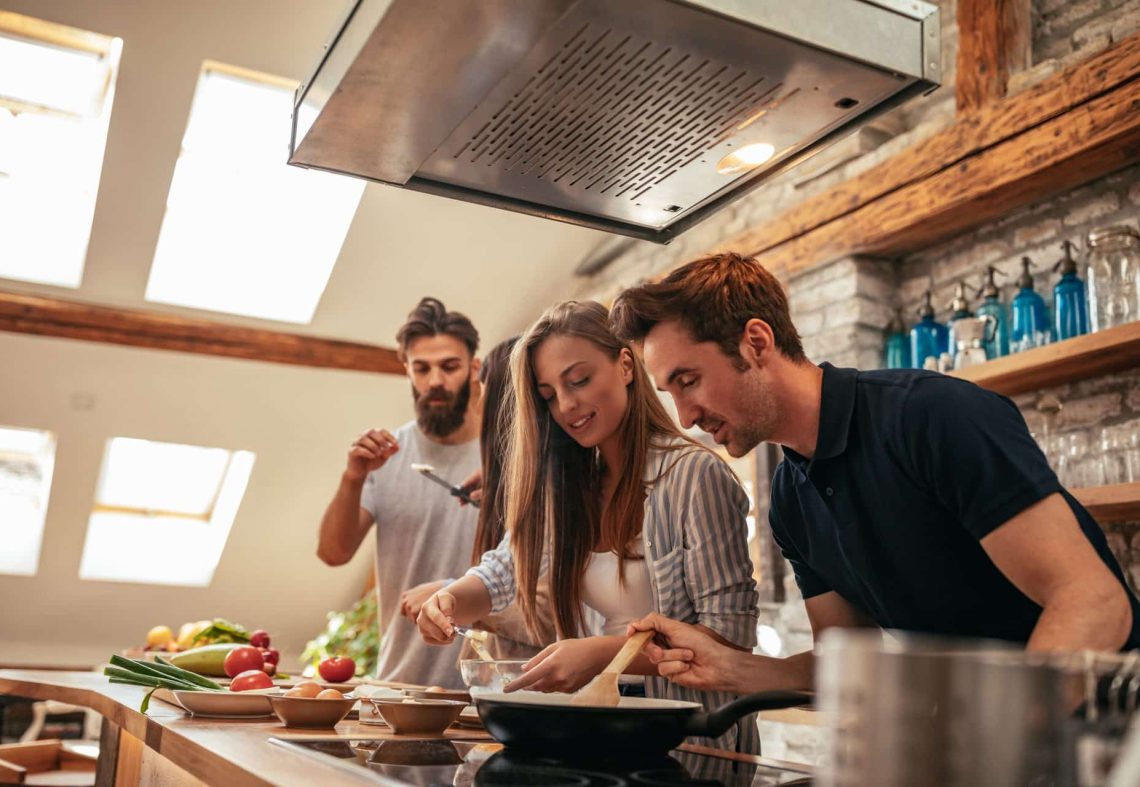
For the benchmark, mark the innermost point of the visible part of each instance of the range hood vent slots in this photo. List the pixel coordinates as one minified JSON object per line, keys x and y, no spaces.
{"x":615,"y":115}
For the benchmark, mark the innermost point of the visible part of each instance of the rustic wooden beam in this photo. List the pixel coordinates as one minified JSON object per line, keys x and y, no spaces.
{"x":994,"y":40}
{"x":836,"y":210}
{"x":1099,"y":138}
{"x":88,"y":322}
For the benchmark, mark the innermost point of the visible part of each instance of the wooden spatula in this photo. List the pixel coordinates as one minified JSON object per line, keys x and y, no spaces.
{"x":602,"y":691}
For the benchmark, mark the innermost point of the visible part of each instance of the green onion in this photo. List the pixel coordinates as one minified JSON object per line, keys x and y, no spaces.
{"x":165,"y":666}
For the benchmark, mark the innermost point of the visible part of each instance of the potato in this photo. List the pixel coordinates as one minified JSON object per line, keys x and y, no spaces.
{"x":330,"y":694}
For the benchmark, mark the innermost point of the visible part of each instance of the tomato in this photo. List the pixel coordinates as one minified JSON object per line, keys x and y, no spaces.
{"x":271,"y":656}
{"x":242,"y":659}
{"x":259,"y":639}
{"x":251,"y":679}
{"x":336,"y":669}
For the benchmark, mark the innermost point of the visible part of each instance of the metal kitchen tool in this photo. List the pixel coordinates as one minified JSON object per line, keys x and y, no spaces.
{"x":428,"y":472}
{"x":476,"y":638}
{"x":638,"y":117}
{"x":906,"y":709}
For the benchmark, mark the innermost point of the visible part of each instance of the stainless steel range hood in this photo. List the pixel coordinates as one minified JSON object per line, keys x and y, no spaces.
{"x":639,"y":117}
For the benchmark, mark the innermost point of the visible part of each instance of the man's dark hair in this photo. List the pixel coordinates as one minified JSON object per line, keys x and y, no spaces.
{"x":431,"y":318}
{"x":713,"y":298}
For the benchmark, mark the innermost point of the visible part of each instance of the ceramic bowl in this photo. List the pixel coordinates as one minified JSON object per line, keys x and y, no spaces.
{"x":310,"y":711}
{"x":425,"y":717}
{"x":489,"y":676}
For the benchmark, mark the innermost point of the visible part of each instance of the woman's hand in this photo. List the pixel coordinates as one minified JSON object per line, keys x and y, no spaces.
{"x":688,"y":656}
{"x":435,"y":619}
{"x":567,"y":665}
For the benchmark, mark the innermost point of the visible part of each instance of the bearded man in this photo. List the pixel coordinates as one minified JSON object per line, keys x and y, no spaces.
{"x":421,"y":534}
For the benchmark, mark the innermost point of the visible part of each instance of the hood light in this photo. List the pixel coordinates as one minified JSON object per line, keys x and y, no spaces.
{"x":748,"y":157}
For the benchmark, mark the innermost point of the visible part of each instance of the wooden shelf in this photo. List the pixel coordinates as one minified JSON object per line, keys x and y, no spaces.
{"x":1116,"y":503}
{"x":1103,"y":352}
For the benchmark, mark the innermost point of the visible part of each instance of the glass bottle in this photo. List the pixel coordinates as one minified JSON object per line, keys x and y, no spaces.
{"x":929,"y":338}
{"x":1029,"y":324}
{"x":1070,"y":303}
{"x":897,"y":350}
{"x":992,"y":305}
{"x":959,"y":308}
{"x":1113,"y":267}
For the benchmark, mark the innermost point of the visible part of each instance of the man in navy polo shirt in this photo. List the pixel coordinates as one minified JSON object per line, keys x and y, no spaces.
{"x":906,"y":499}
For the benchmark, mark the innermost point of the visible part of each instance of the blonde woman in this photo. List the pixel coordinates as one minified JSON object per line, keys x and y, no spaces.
{"x":624,"y":514}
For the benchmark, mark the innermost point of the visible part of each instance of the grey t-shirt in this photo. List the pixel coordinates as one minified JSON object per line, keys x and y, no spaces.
{"x":422,"y":534}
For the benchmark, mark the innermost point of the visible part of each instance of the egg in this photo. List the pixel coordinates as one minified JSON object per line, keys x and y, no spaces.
{"x":308,"y":688}
{"x":330,"y":694}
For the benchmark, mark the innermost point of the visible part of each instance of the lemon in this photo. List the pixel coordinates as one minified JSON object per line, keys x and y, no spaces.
{"x":158,"y":636}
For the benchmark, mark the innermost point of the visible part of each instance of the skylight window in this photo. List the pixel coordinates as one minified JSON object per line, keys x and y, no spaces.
{"x":245,"y":233}
{"x":56,"y":90}
{"x":163,"y":512}
{"x":27,"y":458}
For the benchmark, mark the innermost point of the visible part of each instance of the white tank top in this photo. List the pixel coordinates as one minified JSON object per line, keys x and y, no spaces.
{"x":618,"y":604}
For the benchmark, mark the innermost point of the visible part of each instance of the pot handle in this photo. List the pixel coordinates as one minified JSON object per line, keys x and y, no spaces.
{"x":713,"y":724}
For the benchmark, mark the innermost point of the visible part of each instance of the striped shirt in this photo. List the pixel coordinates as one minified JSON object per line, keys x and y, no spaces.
{"x":696,"y":544}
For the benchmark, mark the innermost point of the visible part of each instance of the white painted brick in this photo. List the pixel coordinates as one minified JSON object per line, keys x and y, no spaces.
{"x":1127,"y":24}
{"x":1089,"y":411}
{"x":1036,"y":233}
{"x":1094,"y":34}
{"x":1087,"y":211}
{"x":808,"y":324}
{"x":1070,"y":14}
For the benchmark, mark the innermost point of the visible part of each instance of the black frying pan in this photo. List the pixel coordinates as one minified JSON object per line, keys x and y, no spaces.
{"x":549,"y":725}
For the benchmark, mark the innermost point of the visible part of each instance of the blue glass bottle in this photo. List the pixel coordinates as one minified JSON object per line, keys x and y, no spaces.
{"x":1029,"y":324}
{"x":959,"y":308}
{"x":992,"y":305}
{"x":1070,"y":299}
{"x":897,"y":350}
{"x":929,"y":337}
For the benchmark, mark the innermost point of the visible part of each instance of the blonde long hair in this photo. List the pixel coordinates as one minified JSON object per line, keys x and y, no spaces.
{"x":553,"y":489}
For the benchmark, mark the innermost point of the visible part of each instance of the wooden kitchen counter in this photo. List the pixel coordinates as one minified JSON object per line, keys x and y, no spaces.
{"x":168,"y":746}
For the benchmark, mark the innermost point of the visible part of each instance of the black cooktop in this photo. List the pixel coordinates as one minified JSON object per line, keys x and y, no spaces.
{"x":466,"y":764}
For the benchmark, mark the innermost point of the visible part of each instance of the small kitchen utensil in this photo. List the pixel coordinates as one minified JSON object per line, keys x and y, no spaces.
{"x":426,"y":717}
{"x":476,"y":638}
{"x":971,"y":335}
{"x":428,"y":472}
{"x":549,"y":723}
{"x":602,"y":691}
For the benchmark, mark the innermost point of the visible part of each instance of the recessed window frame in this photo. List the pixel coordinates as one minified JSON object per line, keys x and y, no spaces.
{"x":32,"y":531}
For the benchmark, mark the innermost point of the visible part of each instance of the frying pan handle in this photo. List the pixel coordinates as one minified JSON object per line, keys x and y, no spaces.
{"x":715,"y":723}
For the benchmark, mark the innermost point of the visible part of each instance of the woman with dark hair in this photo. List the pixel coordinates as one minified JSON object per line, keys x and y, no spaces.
{"x":625,"y":515}
{"x":509,"y":636}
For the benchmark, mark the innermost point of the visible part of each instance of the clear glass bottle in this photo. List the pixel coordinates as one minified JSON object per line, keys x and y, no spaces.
{"x":1113,"y":269}
{"x":959,"y":309}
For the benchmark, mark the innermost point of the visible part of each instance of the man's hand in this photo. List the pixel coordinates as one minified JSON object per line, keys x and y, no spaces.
{"x":412,"y":599}
{"x":567,"y":665}
{"x":473,"y":485}
{"x":435,"y":619}
{"x":688,"y":656}
{"x":369,"y":452}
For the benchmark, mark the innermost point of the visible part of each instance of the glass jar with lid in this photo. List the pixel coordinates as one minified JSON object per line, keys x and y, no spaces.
{"x":1113,"y":276}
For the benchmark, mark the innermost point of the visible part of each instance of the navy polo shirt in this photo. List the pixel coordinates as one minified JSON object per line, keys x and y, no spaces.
{"x":911,"y":470}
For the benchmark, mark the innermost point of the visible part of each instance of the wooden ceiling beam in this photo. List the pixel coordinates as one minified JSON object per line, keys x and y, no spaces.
{"x":842,"y":220}
{"x":42,"y":316}
{"x":995,"y":39}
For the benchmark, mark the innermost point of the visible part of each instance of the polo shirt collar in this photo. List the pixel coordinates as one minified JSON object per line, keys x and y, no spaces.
{"x":836,"y":408}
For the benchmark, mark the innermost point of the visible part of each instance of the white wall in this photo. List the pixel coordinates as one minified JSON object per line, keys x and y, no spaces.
{"x":298,"y":421}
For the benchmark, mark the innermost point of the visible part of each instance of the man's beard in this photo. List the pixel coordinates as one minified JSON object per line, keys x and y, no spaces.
{"x":441,"y":421}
